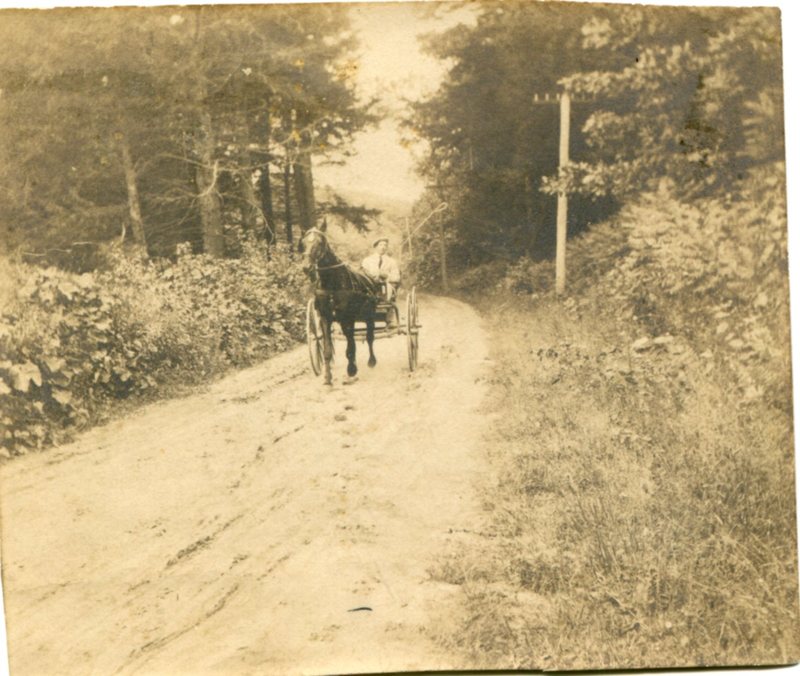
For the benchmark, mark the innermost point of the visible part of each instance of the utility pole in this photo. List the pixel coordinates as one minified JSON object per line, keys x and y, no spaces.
{"x":561,"y":214}
{"x":564,"y":102}
{"x":410,"y":233}
{"x":443,"y":255}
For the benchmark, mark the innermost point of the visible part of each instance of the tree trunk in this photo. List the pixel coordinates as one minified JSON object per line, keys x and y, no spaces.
{"x":300,"y":194}
{"x":247,"y":194}
{"x":134,"y":205}
{"x":206,"y":169}
{"x":265,"y":183}
{"x":265,"y":189}
{"x":206,"y":180}
{"x":304,"y":182}
{"x":287,"y":200}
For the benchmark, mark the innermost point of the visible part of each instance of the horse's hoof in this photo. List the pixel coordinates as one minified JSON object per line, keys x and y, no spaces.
{"x":329,"y":382}
{"x":372,"y":361}
{"x":352,"y":369}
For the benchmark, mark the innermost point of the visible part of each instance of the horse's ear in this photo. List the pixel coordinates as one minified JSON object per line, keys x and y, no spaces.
{"x":324,"y":226}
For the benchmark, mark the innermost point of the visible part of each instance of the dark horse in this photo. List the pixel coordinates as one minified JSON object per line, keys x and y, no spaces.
{"x":340,"y":295}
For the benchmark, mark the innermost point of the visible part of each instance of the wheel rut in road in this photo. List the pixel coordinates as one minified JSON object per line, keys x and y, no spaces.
{"x":267,"y":524}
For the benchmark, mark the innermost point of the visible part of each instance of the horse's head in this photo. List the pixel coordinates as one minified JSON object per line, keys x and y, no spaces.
{"x":313,"y":246}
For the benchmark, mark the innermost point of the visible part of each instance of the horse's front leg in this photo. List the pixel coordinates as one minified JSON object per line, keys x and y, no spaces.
{"x":327,"y":349}
{"x":371,"y":338}
{"x":349,"y":328}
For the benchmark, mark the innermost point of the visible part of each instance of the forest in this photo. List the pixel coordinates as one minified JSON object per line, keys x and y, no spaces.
{"x":691,"y":96}
{"x":158,"y":167}
{"x":159,"y":127}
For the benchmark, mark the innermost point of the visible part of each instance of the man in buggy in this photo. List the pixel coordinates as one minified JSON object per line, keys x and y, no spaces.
{"x":382,"y":267}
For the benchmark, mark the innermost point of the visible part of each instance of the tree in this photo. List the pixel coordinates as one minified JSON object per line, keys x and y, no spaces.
{"x":166,"y":121}
{"x":488,"y":143}
{"x":688,"y":94}
{"x":79,"y":110}
{"x":698,"y":103}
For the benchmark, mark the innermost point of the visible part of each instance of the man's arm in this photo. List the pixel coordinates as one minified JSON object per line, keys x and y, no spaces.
{"x":370,"y":266}
{"x":392,"y":271}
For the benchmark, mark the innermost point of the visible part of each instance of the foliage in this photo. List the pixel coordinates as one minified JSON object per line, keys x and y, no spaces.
{"x":358,"y":216}
{"x":489,"y":144}
{"x":692,"y":95}
{"x":71,"y":345}
{"x":712,"y":269}
{"x":171,"y":112}
{"x":700,"y":103}
{"x":644,"y":511}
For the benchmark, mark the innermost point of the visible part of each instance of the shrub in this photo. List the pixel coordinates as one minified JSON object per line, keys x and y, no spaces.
{"x":71,"y":345}
{"x":712,"y":270}
{"x":482,"y":278}
{"x":645,"y":500}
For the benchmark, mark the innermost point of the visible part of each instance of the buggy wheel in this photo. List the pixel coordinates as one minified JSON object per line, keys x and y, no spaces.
{"x":412,"y":329}
{"x":314,"y":337}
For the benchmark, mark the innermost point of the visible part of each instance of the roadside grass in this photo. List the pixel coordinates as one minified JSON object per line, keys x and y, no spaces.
{"x":642,"y":512}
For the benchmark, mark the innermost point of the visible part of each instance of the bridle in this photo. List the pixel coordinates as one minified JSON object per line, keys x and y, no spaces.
{"x":325,"y":239}
{"x":356,"y":280}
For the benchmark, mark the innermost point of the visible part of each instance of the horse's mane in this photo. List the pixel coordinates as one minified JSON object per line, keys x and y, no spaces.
{"x":344,"y":274}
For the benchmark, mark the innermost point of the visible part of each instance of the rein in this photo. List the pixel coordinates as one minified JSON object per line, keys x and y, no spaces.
{"x":330,"y":267}
{"x":328,"y":247}
{"x":354,"y":279}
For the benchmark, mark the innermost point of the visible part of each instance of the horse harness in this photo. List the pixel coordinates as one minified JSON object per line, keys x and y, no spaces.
{"x":352,"y":275}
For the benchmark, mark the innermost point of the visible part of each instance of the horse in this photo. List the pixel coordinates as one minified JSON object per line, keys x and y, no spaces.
{"x":341,"y":295}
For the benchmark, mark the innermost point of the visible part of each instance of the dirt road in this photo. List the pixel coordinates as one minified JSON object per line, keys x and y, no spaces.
{"x":267,"y":525}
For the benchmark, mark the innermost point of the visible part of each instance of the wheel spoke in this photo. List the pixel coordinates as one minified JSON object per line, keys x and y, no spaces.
{"x":314,"y":337}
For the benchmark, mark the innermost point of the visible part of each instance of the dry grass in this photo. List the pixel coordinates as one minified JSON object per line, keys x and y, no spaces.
{"x":643,"y":514}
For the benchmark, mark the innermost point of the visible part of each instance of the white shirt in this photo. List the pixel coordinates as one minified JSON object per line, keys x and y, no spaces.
{"x":376,"y":265}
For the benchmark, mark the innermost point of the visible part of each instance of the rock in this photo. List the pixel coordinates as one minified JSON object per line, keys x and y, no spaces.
{"x":641,"y":344}
{"x":664,"y":340}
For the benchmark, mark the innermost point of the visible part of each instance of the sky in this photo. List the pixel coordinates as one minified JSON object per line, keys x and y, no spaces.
{"x":392,"y":67}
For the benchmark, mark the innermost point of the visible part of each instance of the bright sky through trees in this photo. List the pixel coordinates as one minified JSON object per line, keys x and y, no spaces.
{"x":393,"y":68}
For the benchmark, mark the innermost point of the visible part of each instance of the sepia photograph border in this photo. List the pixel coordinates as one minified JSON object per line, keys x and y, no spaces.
{"x":791,"y":82}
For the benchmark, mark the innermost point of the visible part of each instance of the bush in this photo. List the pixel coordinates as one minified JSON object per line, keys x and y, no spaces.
{"x":712,"y":270}
{"x":71,"y":345}
{"x":482,"y":278}
{"x":527,"y":277}
{"x":644,"y":510}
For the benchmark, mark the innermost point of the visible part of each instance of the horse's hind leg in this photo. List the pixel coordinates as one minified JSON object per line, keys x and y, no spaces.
{"x":349,"y":332}
{"x":370,"y":339}
{"x":327,"y":349}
